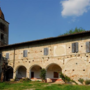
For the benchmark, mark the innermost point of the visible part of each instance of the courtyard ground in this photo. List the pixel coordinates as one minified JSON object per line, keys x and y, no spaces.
{"x":32,"y":85}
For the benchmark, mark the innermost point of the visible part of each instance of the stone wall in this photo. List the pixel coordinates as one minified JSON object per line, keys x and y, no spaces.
{"x":75,"y":65}
{"x":4,"y":32}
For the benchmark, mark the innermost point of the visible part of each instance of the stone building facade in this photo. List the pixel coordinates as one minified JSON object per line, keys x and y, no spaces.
{"x":4,"y":25}
{"x":69,"y":54}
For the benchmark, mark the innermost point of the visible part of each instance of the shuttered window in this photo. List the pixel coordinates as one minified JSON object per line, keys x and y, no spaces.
{"x":88,"y":47}
{"x":7,"y":55}
{"x":25,"y":53}
{"x":45,"y":51}
{"x":75,"y":47}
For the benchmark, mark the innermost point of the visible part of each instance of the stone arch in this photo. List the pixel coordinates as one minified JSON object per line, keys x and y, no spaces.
{"x":70,"y":59}
{"x":19,"y":66}
{"x":51,"y":64}
{"x":53,"y":72}
{"x":75,"y":68}
{"x":35,"y":71}
{"x":21,"y":71}
{"x":34,"y":65}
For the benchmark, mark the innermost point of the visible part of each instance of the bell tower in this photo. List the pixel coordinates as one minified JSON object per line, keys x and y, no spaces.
{"x":4,"y":29}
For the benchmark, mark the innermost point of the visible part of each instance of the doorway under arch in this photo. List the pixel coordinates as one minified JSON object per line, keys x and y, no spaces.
{"x":9,"y":73}
{"x":35,"y":72}
{"x":21,"y":72}
{"x":53,"y":72}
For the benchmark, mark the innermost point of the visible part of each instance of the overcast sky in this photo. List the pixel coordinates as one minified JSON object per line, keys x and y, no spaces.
{"x":37,"y":19}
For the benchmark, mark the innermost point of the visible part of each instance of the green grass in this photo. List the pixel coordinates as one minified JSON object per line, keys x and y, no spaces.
{"x":30,"y":85}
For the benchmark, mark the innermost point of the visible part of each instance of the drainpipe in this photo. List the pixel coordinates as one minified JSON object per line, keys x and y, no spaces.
{"x":14,"y":61}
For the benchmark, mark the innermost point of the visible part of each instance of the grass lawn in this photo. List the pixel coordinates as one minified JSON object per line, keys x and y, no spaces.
{"x":30,"y":85}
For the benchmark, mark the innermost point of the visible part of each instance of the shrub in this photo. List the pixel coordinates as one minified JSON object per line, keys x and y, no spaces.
{"x":87,"y":82}
{"x":74,"y":82}
{"x":66,"y":78}
{"x":43,"y":74}
{"x":25,"y":79}
{"x":62,"y":76}
{"x":81,"y":80}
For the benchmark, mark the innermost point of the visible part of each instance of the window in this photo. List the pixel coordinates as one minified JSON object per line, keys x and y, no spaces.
{"x":7,"y":55}
{"x":2,"y":26}
{"x":25,"y":53}
{"x":75,"y":47}
{"x":88,"y":47}
{"x":2,"y":36}
{"x":45,"y":51}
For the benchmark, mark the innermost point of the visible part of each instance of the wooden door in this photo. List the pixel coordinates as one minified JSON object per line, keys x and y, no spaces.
{"x":32,"y":74}
{"x":55,"y":74}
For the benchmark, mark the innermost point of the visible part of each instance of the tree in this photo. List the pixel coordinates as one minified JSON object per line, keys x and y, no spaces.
{"x":43,"y":74}
{"x":76,"y":30}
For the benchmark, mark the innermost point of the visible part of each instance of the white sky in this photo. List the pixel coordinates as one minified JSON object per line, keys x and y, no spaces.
{"x":75,"y":7}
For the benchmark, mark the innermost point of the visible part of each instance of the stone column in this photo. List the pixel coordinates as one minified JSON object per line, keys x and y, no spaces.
{"x":15,"y":72}
{"x":28,"y":73}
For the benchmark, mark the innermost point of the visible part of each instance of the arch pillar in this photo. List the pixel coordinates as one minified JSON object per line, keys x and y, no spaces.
{"x":14,"y":74}
{"x":27,"y":73}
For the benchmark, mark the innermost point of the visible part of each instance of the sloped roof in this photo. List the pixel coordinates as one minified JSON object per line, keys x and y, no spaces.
{"x":1,"y":14}
{"x":62,"y":37}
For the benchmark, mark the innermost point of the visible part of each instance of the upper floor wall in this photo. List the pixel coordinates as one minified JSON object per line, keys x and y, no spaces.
{"x":50,"y":49}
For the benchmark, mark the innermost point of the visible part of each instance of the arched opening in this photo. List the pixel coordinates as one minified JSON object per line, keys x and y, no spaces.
{"x":53,"y":72}
{"x":21,"y":72}
{"x":35,"y":72}
{"x":9,"y":73}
